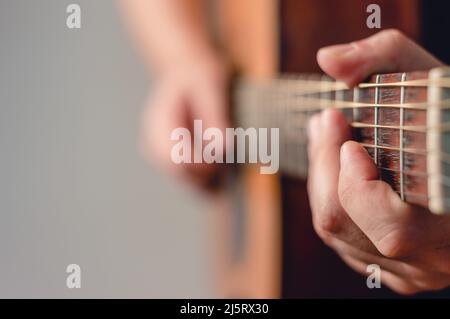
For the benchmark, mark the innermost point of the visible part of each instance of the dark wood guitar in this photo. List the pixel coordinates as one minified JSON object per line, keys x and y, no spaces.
{"x":263,"y":239}
{"x":402,"y":120}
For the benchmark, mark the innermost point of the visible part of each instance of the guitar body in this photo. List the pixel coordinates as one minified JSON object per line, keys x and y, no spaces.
{"x":264,"y":242}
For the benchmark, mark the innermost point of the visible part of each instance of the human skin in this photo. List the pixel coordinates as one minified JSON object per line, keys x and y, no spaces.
{"x":359,"y":216}
{"x":190,"y":79}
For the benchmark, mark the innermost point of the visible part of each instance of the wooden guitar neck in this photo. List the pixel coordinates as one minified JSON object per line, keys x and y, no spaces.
{"x":402,"y":119}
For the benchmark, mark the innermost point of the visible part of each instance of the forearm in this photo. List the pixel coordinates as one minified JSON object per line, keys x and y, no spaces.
{"x":169,"y":32}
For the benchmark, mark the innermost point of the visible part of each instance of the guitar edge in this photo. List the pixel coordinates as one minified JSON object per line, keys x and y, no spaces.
{"x":247,"y":236}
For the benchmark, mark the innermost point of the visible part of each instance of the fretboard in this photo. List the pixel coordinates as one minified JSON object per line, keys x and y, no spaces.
{"x":402,"y":119}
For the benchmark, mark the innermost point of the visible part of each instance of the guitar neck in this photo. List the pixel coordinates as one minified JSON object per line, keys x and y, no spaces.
{"x":402,"y":119}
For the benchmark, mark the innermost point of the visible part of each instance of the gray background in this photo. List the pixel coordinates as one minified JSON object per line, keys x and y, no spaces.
{"x":73,"y":186}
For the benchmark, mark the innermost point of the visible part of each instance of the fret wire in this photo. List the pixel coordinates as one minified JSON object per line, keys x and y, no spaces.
{"x":338,"y":96}
{"x":402,"y":100}
{"x":375,"y":118}
{"x":355,"y":111}
{"x":356,"y":100}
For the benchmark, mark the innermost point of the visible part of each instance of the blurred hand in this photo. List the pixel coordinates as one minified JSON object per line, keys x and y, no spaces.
{"x":357,"y":215}
{"x":189,"y":89}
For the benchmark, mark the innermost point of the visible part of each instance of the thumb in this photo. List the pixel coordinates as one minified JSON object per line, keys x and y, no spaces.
{"x":359,"y":186}
{"x":386,"y":51}
{"x":396,"y":228}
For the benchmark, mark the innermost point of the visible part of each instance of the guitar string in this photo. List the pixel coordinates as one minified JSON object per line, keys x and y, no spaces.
{"x":445,"y":180}
{"x":350,"y":105}
{"x":302,"y":122}
{"x":445,"y":157}
{"x":445,"y":104}
{"x":327,"y":85}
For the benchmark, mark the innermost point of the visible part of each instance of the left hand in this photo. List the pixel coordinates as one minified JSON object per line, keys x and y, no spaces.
{"x":357,"y":215}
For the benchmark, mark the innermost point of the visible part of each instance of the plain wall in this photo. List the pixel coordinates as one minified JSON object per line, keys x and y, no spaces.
{"x":73,"y":185}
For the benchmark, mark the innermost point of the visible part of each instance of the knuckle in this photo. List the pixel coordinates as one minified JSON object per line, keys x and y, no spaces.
{"x":427,"y":281}
{"x":402,"y":285}
{"x":430,"y":286}
{"x":405,"y":289}
{"x":327,"y":220}
{"x":395,"y":40}
{"x":437,"y":285}
{"x":393,"y":35}
{"x":388,"y":37}
{"x":326,"y":237}
{"x":394,"y":244}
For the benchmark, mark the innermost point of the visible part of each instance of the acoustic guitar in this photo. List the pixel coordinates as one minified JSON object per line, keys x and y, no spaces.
{"x":262,"y":235}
